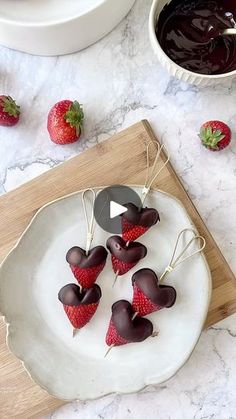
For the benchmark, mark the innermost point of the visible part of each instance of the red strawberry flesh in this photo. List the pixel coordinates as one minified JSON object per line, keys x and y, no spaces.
{"x":87,"y":276}
{"x":86,"y":268}
{"x":121,"y":267}
{"x":79,"y":306}
{"x":142,"y":304}
{"x":131,"y":232}
{"x":9,"y":111}
{"x":112,"y":336}
{"x":79,"y":316}
{"x":136,"y":221}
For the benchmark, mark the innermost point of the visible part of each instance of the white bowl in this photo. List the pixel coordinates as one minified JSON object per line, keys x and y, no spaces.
{"x":173,"y":68}
{"x":56,"y":27}
{"x":40,"y":334}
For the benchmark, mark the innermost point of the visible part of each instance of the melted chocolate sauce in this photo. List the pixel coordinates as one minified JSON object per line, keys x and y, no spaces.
{"x":188,"y":32}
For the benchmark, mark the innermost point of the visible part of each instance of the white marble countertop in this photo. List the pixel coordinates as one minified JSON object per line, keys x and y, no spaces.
{"x":119,"y":82}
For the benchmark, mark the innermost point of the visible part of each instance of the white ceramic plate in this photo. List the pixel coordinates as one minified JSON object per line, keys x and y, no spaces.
{"x":54,"y":27}
{"x":40,"y":334}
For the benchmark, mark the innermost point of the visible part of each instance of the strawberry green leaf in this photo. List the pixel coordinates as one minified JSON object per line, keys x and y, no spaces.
{"x":75,"y":116}
{"x":210,"y":138}
{"x":10,"y":107}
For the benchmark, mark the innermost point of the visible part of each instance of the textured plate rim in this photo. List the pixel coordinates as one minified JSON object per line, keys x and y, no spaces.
{"x":27,"y":367}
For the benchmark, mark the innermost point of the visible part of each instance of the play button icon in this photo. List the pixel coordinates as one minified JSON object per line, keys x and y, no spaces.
{"x":116,"y":209}
{"x":110,"y":205}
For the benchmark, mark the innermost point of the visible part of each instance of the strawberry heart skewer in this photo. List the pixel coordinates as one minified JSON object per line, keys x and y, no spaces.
{"x":123,"y":329}
{"x":135,"y":221}
{"x":79,"y":306}
{"x":86,"y":267}
{"x":124,"y":256}
{"x":148,"y":295}
{"x":87,"y":264}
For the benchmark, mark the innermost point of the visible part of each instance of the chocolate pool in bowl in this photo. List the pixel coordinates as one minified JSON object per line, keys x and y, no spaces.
{"x":189,"y":33}
{"x":185,"y":36}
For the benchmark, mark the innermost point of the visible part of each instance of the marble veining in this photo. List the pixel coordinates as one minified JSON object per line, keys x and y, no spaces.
{"x":119,"y":81}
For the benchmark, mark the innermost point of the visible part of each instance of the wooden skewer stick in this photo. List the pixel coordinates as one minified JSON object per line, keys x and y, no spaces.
{"x":74,"y":332}
{"x":117,"y":274}
{"x":134,"y":315}
{"x":153,"y":335}
{"x":109,"y":349}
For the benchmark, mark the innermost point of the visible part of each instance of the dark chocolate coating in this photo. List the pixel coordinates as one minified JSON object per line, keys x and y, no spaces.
{"x":77,"y":256}
{"x":135,"y":330}
{"x":147,"y":281}
{"x":145,"y":217}
{"x":70,"y":295}
{"x":188,"y":33}
{"x":128,"y":254}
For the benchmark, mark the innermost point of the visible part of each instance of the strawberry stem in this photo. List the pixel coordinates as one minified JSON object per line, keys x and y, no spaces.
{"x":10,"y":107}
{"x":75,"y":117}
{"x":210,"y":138}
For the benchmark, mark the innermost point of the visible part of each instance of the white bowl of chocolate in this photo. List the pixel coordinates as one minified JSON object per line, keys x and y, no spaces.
{"x":188,"y":39}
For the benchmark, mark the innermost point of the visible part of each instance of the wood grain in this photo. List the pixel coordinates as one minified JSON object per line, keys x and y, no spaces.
{"x":119,"y":160}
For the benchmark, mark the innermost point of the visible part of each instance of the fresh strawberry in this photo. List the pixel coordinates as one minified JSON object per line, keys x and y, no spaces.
{"x":65,"y":121}
{"x":131,"y":232}
{"x":215,"y":135}
{"x":86,"y":268}
{"x":149,"y":295}
{"x":112,"y":336}
{"x":142,"y":304}
{"x":80,"y":306}
{"x":123,"y":328}
{"x":87,"y":277}
{"x":124,"y":257}
{"x":9,"y":111}
{"x":135,"y":221}
{"x":120,"y":266}
{"x":80,"y":315}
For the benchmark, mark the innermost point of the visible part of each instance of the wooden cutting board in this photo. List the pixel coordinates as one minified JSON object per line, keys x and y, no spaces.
{"x":119,"y":160}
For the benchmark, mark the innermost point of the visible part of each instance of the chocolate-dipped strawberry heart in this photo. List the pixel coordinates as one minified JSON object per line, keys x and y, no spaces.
{"x":136,"y":221}
{"x":123,"y":328}
{"x":149,"y":295}
{"x":86,"y":267}
{"x":124,"y":256}
{"x":79,"y":306}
